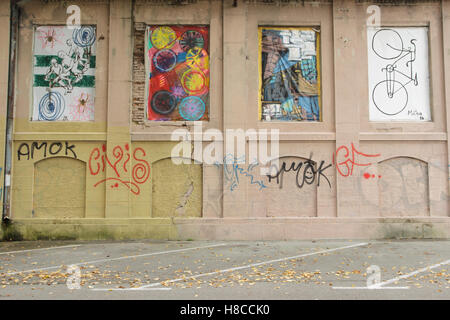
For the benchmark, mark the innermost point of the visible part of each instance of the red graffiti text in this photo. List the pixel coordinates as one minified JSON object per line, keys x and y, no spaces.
{"x":349,"y":160}
{"x":118,"y":161}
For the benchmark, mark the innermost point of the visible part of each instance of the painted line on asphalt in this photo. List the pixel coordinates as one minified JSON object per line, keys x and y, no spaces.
{"x":381,"y":285}
{"x":373,"y":287}
{"x":248,"y":266}
{"x":130,"y":289}
{"x":113,"y":259}
{"x":409,"y":275}
{"x":40,"y":249}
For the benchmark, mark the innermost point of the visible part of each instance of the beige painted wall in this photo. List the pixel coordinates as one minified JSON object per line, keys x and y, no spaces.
{"x":411,"y":166}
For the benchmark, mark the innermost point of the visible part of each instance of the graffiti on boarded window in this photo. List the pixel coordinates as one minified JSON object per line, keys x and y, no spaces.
{"x":177,"y":60}
{"x":289,"y":74}
{"x":398,"y":74}
{"x":64,"y":73}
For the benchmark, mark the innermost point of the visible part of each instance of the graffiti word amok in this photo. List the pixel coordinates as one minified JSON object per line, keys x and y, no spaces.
{"x":45,"y":149}
{"x":99,"y":160}
{"x":308,"y":175}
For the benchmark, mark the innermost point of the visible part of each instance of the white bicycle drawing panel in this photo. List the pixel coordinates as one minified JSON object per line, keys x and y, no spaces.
{"x":399,"y":88}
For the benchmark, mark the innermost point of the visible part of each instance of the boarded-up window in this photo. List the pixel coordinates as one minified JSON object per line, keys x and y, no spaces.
{"x":289,"y":74}
{"x":292,"y":192}
{"x":64,"y":62}
{"x":59,"y":188}
{"x":398,"y":74}
{"x":403,"y":187}
{"x":177,"y":60}
{"x":177,"y":189}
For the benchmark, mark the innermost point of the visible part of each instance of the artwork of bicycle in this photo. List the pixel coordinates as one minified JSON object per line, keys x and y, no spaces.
{"x":398,"y":73}
{"x":398,"y":56}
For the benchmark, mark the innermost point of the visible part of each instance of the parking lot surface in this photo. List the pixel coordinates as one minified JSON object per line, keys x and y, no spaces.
{"x":191,"y":270}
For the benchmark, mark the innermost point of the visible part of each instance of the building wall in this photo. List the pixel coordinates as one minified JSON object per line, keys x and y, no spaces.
{"x":113,"y":177}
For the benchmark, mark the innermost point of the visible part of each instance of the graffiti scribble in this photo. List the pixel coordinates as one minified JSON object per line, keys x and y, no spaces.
{"x":350,"y":159}
{"x":99,"y":160}
{"x":232,"y":171}
{"x":310,"y":173}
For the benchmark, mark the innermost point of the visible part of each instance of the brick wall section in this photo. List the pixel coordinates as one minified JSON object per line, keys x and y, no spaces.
{"x":138,"y":108}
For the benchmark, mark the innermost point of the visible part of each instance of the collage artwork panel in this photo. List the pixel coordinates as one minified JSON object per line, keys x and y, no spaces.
{"x":289,"y":74}
{"x":178,"y":80}
{"x":64,"y":73}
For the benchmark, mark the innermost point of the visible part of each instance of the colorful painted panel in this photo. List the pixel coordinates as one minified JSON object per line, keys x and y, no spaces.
{"x":399,"y":79}
{"x":289,"y":74}
{"x":178,"y":79}
{"x":64,"y":73}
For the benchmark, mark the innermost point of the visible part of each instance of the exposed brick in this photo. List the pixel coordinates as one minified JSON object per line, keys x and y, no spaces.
{"x":138,"y":107}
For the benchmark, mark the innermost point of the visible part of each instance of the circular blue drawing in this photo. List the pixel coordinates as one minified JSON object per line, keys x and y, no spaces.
{"x":163,"y":102}
{"x":191,"y":39}
{"x":192,"y":108}
{"x":84,"y":36}
{"x":165,"y":60}
{"x":51,"y":106}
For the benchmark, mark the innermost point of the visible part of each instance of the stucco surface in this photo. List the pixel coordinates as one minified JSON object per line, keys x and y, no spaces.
{"x":113,"y":177}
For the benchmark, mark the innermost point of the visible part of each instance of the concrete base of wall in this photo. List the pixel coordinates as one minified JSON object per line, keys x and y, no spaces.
{"x":228,"y":228}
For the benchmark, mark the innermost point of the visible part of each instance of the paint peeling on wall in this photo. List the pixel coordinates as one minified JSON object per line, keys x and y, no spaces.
{"x":177,"y":189}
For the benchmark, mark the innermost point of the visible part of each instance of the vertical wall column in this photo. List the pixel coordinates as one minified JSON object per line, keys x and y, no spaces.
{"x":446,"y":56}
{"x":4,"y":67}
{"x":346,"y":34}
{"x":119,"y":102}
{"x":235,"y":90}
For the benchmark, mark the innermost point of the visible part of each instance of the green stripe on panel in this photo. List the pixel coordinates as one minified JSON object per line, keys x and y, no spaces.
{"x":86,"y":82}
{"x":44,"y":61}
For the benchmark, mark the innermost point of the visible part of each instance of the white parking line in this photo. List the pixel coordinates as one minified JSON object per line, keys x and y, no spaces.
{"x":49,"y":248}
{"x":114,"y":259}
{"x":409,"y":275}
{"x":381,"y":285}
{"x":248,"y":266}
{"x":372,"y":287}
{"x":130,"y":289}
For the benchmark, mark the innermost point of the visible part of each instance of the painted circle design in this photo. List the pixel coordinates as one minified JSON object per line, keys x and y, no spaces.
{"x":387,"y":44}
{"x":163,"y":37}
{"x":191,"y":39}
{"x":390,"y":105}
{"x":192,"y":108}
{"x":193,"y":82}
{"x":163,"y":102}
{"x":51,"y":106}
{"x":84,"y":36}
{"x":165,"y":60}
{"x":197,"y":59}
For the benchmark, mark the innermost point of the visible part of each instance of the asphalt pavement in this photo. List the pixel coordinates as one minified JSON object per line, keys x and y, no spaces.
{"x":191,"y":270}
